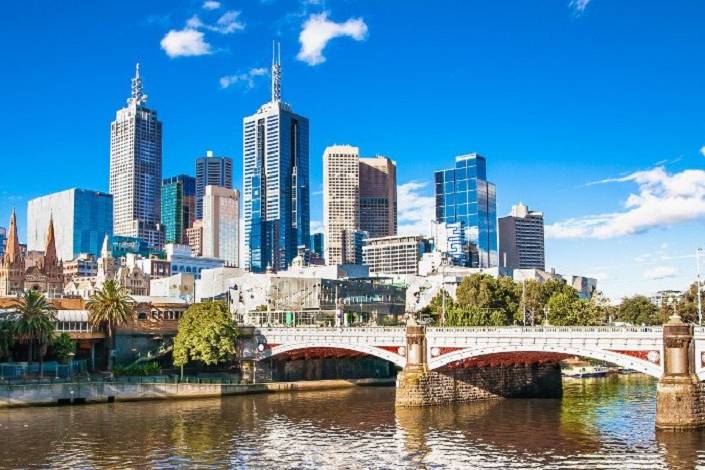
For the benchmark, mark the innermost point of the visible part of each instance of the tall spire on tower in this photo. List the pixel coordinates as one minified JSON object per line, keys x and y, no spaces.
{"x":12,"y":248}
{"x":137,"y":97}
{"x":50,"y":258}
{"x":276,"y":72}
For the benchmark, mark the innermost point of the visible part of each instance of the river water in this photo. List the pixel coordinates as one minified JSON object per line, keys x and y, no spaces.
{"x":600,"y":423}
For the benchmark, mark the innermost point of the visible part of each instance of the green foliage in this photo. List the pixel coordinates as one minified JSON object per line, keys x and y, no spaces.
{"x":7,"y":337}
{"x":206,"y":334}
{"x":484,"y":300}
{"x":35,"y":325}
{"x":687,"y":306}
{"x":64,"y":347}
{"x":149,"y":368}
{"x":565,"y":309}
{"x":474,"y":316}
{"x":638,"y":310}
{"x":110,"y":306}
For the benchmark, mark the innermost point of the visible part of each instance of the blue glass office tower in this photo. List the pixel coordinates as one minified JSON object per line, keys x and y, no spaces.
{"x":464,"y":195}
{"x":275,"y":182}
{"x":178,"y":207}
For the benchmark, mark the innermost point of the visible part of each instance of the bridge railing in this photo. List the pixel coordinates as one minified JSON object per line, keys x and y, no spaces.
{"x":502,"y":330}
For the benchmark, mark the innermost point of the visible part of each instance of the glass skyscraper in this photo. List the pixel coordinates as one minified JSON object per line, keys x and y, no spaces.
{"x":464,"y":195}
{"x":136,"y":168}
{"x":178,"y":207}
{"x":275,"y":182}
{"x":81,"y":218}
{"x":211,"y":171}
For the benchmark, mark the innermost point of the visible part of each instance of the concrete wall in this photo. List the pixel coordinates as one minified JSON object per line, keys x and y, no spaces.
{"x":53,"y":394}
{"x":680,"y":403}
{"x":424,"y":388}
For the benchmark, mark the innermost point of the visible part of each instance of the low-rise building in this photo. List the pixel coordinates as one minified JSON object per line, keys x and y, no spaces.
{"x":84,"y":265}
{"x":397,"y":254}
{"x":182,"y":261}
{"x":180,"y":285}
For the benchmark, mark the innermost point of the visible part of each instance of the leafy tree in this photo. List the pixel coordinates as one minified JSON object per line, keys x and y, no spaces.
{"x":500,"y":296}
{"x":64,"y":347}
{"x":7,"y":337}
{"x":435,"y":306}
{"x":35,"y":325}
{"x":638,"y":310}
{"x":686,"y":306}
{"x":206,"y":334}
{"x":110,"y":307}
{"x":565,"y":309}
{"x":534,"y":299}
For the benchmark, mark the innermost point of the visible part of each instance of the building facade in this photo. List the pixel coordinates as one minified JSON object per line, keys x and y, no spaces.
{"x":221,"y":224}
{"x":341,"y":202}
{"x":521,"y":239}
{"x":81,"y":217}
{"x":275,"y":182}
{"x":211,"y":171}
{"x":183,"y":262}
{"x":398,"y":254}
{"x":464,"y":195}
{"x":317,"y":244}
{"x":178,"y":207}
{"x":194,"y":237}
{"x":136,"y":168}
{"x":378,"y":196}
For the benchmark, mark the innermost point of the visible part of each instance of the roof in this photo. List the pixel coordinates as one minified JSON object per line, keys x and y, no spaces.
{"x":72,"y":315}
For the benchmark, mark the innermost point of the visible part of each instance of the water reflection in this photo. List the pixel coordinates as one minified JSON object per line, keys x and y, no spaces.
{"x":599,"y":423}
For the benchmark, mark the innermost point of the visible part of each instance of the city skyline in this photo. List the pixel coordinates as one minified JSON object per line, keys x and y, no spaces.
{"x":593,"y":174}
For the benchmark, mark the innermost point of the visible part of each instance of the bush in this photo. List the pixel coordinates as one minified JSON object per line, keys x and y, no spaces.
{"x":149,"y":368}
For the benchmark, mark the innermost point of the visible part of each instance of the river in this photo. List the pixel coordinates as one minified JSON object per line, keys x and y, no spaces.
{"x":600,"y":423}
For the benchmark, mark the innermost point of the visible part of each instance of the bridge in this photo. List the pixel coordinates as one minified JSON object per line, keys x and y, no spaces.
{"x":434,"y":359}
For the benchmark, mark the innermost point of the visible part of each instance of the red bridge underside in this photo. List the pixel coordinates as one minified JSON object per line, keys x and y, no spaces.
{"x":318,"y":353}
{"x":508,"y":359}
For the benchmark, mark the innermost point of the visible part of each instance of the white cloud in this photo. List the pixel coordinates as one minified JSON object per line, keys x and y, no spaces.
{"x":247,"y":78}
{"x":702,"y":150}
{"x":211,"y":5}
{"x":184,"y":43}
{"x":662,"y":199}
{"x":316,"y":226}
{"x":226,"y":24}
{"x":660,"y":272}
{"x":579,"y":6}
{"x":318,"y":30}
{"x":416,"y":210}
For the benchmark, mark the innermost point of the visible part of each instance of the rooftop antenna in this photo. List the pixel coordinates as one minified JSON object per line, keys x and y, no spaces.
{"x":137,"y":97}
{"x":276,"y":72}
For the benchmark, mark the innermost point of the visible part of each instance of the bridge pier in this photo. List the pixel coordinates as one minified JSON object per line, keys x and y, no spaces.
{"x":680,"y":397}
{"x":419,"y":386}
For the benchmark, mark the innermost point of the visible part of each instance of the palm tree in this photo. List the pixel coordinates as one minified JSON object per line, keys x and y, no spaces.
{"x":110,"y":307}
{"x":35,"y":324}
{"x":7,"y":337}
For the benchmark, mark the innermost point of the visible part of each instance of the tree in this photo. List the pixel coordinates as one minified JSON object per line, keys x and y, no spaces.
{"x":435,"y":306}
{"x":638,"y":310}
{"x":501,"y":297}
{"x":35,"y":325}
{"x":206,"y":333}
{"x":64,"y":347}
{"x":7,"y":337}
{"x":686,"y":306}
{"x":565,"y":309}
{"x":108,"y":308}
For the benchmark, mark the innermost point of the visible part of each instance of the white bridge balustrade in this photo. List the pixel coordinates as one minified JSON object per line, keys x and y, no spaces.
{"x":637,"y":348}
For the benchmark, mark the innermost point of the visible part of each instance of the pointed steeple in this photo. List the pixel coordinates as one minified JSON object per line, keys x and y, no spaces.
{"x":138,"y":97}
{"x":12,"y":247}
{"x":276,"y":72}
{"x":50,"y":258}
{"x":105,"y":250}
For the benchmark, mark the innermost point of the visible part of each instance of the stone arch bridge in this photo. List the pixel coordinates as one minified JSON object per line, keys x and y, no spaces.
{"x":674,"y":354}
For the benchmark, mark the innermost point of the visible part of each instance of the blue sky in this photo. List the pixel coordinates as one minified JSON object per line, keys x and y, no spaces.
{"x":590,"y":111}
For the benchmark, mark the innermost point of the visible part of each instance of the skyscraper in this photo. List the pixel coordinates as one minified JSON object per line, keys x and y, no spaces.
{"x":136,"y":168}
{"x":275,"y":182}
{"x":521,"y":240}
{"x":317,"y":243}
{"x":221,"y":224}
{"x":341,"y":202}
{"x":211,"y":171}
{"x":82,"y":218}
{"x":178,"y":207}
{"x":378,"y":196}
{"x":464,"y":195}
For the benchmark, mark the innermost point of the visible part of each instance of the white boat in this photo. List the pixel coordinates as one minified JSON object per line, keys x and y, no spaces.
{"x":585,"y":372}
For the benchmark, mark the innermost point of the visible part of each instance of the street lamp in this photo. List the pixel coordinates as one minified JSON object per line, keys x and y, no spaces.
{"x":698,"y":252}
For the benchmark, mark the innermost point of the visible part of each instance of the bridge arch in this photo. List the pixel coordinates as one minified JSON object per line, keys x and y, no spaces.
{"x":619,"y":359}
{"x":394,"y":358}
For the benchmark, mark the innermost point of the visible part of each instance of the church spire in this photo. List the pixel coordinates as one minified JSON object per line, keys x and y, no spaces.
{"x":12,"y":248}
{"x":138,"y":97}
{"x":50,"y":258}
{"x":276,"y":72}
{"x":105,"y":250}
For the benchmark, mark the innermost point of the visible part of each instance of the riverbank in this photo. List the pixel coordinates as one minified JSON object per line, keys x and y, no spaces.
{"x":12,"y":396}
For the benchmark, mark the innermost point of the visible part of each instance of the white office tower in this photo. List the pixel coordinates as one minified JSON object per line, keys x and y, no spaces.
{"x":341,"y":202}
{"x":221,"y":230}
{"x":136,"y":168}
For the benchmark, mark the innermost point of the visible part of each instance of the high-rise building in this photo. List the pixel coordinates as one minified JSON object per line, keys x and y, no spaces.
{"x":194,"y":236}
{"x":178,"y":207}
{"x":398,"y":254}
{"x":81,"y":217}
{"x":221,"y":224}
{"x":275,"y":182}
{"x":136,"y":168}
{"x":3,"y":240}
{"x":317,"y":243}
{"x":378,"y":196}
{"x":341,"y":202}
{"x":521,"y":240}
{"x":464,"y":195}
{"x":211,"y":171}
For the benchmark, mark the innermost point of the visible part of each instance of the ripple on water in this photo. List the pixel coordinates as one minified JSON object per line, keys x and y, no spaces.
{"x":598,"y":423}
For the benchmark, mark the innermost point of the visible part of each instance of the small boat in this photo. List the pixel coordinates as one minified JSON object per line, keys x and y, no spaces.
{"x":585,"y":372}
